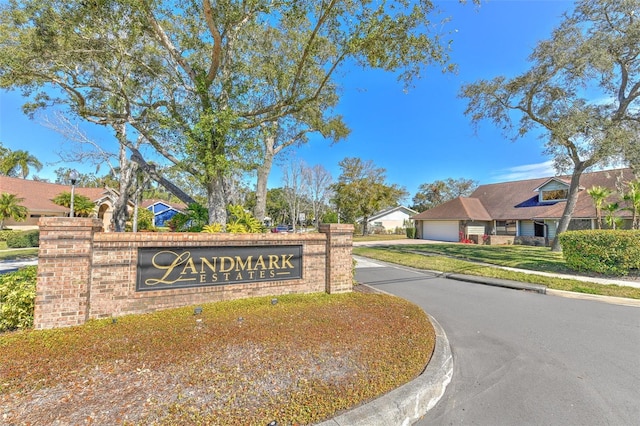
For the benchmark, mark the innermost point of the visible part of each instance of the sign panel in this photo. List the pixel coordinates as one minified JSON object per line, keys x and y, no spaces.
{"x":170,"y":268}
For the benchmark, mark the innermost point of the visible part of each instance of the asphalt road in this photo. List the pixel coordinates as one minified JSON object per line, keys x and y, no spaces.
{"x":522,"y":358}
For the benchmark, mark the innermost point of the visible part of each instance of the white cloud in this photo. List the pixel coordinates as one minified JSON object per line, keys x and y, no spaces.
{"x":526,"y":171}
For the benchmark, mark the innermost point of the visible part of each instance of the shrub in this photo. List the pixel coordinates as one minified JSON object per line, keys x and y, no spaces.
{"x":463,"y":239}
{"x":5,"y":233}
{"x":411,"y":233}
{"x":17,"y":298}
{"x":614,"y":252}
{"x":193,"y":219}
{"x":242,"y":221}
{"x":24,"y":239}
{"x":214,"y":228}
{"x":145,"y":220}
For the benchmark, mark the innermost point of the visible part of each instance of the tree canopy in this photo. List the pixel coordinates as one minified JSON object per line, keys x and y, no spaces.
{"x":17,"y":163}
{"x":198,"y":81}
{"x":432,"y":194}
{"x":582,"y":91}
{"x":362,"y":191}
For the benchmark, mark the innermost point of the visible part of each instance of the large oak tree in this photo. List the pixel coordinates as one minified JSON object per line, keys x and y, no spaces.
{"x":435,"y":193}
{"x":197,"y":81}
{"x":582,"y":91}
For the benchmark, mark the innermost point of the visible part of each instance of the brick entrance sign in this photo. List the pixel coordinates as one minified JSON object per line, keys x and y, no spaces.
{"x":84,"y":273}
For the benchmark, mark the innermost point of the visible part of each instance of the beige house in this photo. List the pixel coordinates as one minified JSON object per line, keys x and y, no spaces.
{"x":37,"y":198}
{"x":525,"y":210}
{"x":390,"y":219}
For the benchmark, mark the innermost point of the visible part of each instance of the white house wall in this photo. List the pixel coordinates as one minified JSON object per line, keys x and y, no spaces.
{"x":391,"y":221}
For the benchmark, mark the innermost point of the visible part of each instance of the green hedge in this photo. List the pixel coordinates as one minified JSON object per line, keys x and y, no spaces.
{"x":17,"y":298}
{"x":24,"y":239}
{"x":612,"y":252}
{"x":4,"y":234}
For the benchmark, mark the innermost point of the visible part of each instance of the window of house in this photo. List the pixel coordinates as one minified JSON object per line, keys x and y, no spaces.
{"x":555,"y":195}
{"x":505,"y":227}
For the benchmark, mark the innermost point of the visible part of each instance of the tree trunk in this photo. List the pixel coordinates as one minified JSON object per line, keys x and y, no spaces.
{"x":365,"y":225}
{"x":127,"y":170}
{"x":261,"y":185}
{"x":134,"y":221}
{"x":572,"y":199}
{"x":217,"y":200}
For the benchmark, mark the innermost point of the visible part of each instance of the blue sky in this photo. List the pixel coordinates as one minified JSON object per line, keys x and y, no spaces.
{"x":419,"y":136}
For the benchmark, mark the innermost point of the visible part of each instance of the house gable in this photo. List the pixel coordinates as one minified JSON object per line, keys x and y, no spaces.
{"x":162,"y":211}
{"x":159,"y":207}
{"x":553,"y":190}
{"x":394,"y":213}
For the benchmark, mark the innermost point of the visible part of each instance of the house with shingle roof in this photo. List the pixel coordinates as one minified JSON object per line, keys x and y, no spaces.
{"x":38,"y":199}
{"x":390,"y":219}
{"x":162,"y":210}
{"x":522,"y":209}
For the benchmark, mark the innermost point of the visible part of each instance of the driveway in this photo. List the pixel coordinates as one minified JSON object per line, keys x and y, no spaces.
{"x":14,"y":265}
{"x":402,"y":241}
{"x":523,"y":358}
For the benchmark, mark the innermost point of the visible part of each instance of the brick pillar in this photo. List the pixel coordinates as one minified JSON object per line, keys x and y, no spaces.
{"x":339,"y":278}
{"x":64,"y":268}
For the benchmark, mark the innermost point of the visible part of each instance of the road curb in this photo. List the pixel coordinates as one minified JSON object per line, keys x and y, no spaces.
{"x":623,"y":301}
{"x":408,"y":403}
{"x":497,"y":282}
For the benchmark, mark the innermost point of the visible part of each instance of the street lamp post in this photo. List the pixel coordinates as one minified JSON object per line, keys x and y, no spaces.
{"x":73,"y":176}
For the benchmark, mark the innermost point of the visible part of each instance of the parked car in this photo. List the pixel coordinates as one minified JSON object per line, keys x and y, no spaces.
{"x":280,"y":228}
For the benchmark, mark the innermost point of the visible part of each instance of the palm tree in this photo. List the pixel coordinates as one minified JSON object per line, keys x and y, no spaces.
{"x":17,"y":163}
{"x":82,"y":206}
{"x":633,"y":197}
{"x":10,"y":208}
{"x":599,"y":194}
{"x":611,"y":218}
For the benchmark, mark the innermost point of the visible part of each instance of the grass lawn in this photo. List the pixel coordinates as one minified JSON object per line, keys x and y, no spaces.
{"x":12,"y":254}
{"x":464,"y":258}
{"x":299,"y":361}
{"x":515,"y":256}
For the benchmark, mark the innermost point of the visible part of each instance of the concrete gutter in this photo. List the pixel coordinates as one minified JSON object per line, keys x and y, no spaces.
{"x":498,"y":282}
{"x":408,"y":403}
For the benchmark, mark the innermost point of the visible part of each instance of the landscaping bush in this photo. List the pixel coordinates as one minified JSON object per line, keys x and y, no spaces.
{"x":17,"y":297}
{"x":24,"y":239}
{"x":612,"y":252}
{"x":411,"y":233}
{"x":145,"y":220}
{"x":5,"y":233}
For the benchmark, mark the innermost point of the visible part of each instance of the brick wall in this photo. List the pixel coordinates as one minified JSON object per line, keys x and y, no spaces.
{"x":84,"y":273}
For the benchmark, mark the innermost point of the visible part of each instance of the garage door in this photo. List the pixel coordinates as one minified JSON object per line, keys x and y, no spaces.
{"x":441,"y":230}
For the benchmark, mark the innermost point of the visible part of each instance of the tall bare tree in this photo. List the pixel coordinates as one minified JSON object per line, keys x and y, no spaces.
{"x":295,"y":178}
{"x":320,"y":192}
